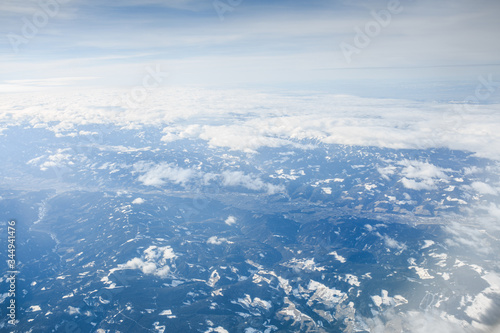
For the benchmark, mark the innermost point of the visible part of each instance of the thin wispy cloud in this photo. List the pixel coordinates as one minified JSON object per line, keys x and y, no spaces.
{"x":273,"y":43}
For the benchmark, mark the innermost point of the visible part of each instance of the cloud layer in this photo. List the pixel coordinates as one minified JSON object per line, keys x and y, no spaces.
{"x":249,"y":120}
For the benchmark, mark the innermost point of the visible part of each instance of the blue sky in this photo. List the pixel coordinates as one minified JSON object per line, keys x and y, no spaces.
{"x":258,"y":43}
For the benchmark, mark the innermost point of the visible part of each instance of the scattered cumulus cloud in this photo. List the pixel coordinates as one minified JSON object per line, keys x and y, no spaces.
{"x":214,"y":240}
{"x":387,"y":171}
{"x":390,"y":242}
{"x":421,"y":175}
{"x":421,"y":170}
{"x":160,"y":174}
{"x":72,"y":310}
{"x":230,"y":220}
{"x":60,"y":158}
{"x":154,"y":261}
{"x":238,"y":178}
{"x":138,"y":201}
{"x":424,"y":184}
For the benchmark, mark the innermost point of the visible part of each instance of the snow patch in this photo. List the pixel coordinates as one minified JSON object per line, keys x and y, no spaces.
{"x":328,"y":296}
{"x":214,"y":278}
{"x":422,"y":272}
{"x":307,"y":265}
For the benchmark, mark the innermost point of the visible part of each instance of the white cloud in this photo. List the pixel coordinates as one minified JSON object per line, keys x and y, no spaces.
{"x":245,"y":138}
{"x":387,"y":171}
{"x":214,"y":240}
{"x":483,"y":188}
{"x":238,"y":178}
{"x":385,"y":300}
{"x":72,"y":310}
{"x":218,"y":329}
{"x":157,"y":175}
{"x":34,"y":308}
{"x":230,"y":220}
{"x":479,"y":307}
{"x":337,"y":256}
{"x":426,"y":184}
{"x":494,"y":211}
{"x":418,"y":322}
{"x":154,"y":261}
{"x":390,"y":242}
{"x":421,"y":175}
{"x":58,"y":159}
{"x":247,"y":121}
{"x":470,"y":237}
{"x":138,"y":201}
{"x":148,"y":267}
{"x":421,"y":170}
